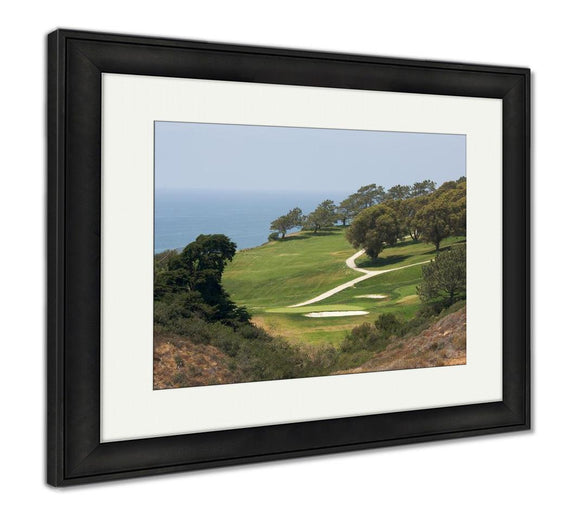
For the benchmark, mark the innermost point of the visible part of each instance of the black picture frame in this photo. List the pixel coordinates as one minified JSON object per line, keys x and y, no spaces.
{"x":75,"y":62}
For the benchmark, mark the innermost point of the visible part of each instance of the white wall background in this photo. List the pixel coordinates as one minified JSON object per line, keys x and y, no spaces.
{"x":493,"y":472}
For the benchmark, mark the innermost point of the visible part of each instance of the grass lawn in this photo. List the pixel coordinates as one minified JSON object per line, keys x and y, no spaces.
{"x":269,"y":278}
{"x":282,"y":273}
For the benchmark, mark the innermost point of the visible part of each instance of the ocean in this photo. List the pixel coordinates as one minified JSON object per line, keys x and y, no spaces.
{"x":244,"y":216}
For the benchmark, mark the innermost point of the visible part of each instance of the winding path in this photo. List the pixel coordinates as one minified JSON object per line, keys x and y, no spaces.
{"x":350,"y":262}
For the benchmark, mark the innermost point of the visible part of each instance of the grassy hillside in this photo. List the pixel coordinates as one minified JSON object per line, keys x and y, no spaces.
{"x":281,"y":273}
{"x":269,"y":278}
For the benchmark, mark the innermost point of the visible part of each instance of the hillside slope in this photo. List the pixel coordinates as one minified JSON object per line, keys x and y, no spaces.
{"x":179,"y":363}
{"x":442,"y":344}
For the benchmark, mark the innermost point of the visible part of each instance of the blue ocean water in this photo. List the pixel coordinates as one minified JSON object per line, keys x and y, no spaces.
{"x":244,"y":216}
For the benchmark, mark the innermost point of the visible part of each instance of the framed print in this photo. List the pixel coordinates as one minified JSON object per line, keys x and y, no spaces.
{"x":259,"y":253}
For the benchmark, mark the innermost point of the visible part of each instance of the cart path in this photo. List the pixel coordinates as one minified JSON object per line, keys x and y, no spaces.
{"x":350,"y":262}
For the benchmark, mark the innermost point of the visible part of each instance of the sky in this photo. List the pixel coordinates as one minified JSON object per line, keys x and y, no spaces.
{"x":260,"y":158}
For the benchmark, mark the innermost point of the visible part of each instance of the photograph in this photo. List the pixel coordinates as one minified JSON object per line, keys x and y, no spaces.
{"x":291,"y":252}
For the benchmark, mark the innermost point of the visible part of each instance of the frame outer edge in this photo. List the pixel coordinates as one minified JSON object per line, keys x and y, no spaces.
{"x":516,"y":247}
{"x":57,"y":277}
{"x":281,"y":456}
{"x":54,"y":258}
{"x":281,"y":51}
{"x":528,"y":252}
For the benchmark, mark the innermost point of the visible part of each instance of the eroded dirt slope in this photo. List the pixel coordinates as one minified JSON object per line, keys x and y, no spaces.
{"x":178,"y":363}
{"x":442,"y":344}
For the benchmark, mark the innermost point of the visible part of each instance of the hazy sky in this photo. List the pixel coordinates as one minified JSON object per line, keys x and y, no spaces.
{"x":223,"y":156}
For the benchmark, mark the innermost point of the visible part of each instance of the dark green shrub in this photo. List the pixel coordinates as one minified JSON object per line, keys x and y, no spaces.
{"x":444,"y":278}
{"x":389,"y":324}
{"x":429,"y":310}
{"x":320,"y":360}
{"x":264,"y":361}
{"x":348,"y":360}
{"x":364,"y":338}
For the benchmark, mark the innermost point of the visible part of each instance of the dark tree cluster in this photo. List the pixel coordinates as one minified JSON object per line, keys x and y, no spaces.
{"x":444,"y":278}
{"x":421,"y":213}
{"x":328,"y":214}
{"x":325,"y":215}
{"x":287,"y":222}
{"x":377,"y":218}
{"x":190,"y":282}
{"x":322,"y":217}
{"x":365,"y":196}
{"x":374,"y":228}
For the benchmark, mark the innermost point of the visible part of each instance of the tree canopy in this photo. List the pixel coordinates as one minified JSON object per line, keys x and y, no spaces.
{"x":407,"y":211}
{"x":443,"y":215}
{"x":369,"y":195}
{"x":191,"y":280}
{"x":323,"y":216}
{"x":444,"y":278}
{"x":399,"y":192}
{"x":419,"y":211}
{"x":287,"y":222}
{"x":365,"y":196}
{"x":423,"y":188}
{"x":418,"y":189}
{"x":208,"y":253}
{"x":347,"y":209}
{"x":374,"y":228}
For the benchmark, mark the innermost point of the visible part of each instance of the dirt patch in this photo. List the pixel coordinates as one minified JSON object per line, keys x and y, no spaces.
{"x":178,"y":363}
{"x":409,"y":299}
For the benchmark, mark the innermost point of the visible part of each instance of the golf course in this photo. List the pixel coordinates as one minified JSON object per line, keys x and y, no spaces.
{"x":302,"y":289}
{"x":385,"y":290}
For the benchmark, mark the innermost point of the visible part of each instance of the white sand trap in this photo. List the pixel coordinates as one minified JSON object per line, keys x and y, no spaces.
{"x":372,"y":296}
{"x":335,"y":314}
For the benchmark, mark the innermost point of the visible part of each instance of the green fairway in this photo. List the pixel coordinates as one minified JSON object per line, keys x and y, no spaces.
{"x":283,"y":273}
{"x":269,"y":278}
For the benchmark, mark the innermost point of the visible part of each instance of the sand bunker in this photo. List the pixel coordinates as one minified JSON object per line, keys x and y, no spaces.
{"x":335,"y":314}
{"x":372,"y":296}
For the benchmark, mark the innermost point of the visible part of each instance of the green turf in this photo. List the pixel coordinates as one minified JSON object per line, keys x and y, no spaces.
{"x":270,"y":277}
{"x":283,"y":273}
{"x":403,"y":254}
